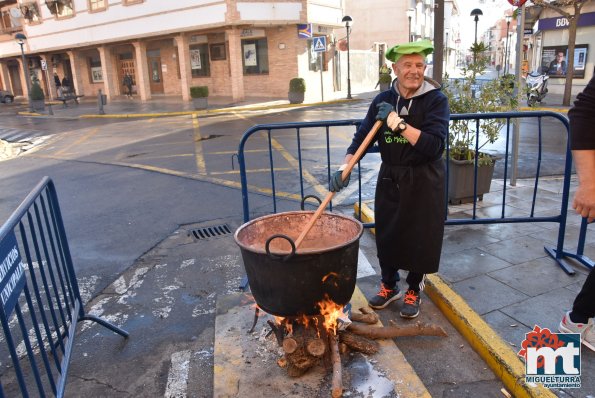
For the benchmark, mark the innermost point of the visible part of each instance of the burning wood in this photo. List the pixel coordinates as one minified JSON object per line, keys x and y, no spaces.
{"x":311,"y":340}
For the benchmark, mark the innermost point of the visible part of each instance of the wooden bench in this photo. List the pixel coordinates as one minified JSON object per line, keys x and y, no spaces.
{"x":69,"y":97}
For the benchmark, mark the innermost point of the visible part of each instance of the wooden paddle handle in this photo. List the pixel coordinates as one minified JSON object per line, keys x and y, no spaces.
{"x":356,"y":157}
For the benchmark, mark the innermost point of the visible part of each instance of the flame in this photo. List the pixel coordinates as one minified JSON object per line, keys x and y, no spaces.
{"x":331,"y":312}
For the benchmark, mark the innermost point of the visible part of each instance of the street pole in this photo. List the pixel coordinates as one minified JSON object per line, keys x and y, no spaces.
{"x":348,"y":65}
{"x":21,"y":41}
{"x":516,"y":132}
{"x":438,"y":41}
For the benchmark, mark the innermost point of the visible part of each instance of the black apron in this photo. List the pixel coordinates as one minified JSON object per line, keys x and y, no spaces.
{"x":409,"y":211}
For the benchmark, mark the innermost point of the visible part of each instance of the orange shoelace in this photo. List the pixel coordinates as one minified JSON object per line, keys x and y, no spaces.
{"x":410,"y":297}
{"x":384,"y":292}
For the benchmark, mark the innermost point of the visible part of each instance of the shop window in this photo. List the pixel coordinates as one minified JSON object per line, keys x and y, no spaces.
{"x":314,"y":58}
{"x":255,"y":56}
{"x":96,"y":74}
{"x":97,"y":5}
{"x":199,"y":60}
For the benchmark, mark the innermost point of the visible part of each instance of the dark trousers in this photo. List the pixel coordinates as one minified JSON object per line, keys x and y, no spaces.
{"x":584,"y":303}
{"x":390,"y":276}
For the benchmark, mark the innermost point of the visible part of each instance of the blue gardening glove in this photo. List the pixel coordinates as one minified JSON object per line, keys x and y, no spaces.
{"x":337,"y":182}
{"x":384,"y":109}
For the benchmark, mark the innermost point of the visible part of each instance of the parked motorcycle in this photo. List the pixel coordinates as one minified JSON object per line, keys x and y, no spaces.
{"x":536,"y":86}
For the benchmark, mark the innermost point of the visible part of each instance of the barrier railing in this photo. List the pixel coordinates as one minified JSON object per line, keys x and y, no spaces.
{"x":40,"y":301}
{"x":507,"y":117}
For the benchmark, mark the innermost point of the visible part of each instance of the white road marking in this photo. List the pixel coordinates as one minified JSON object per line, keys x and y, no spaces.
{"x":177,"y":379}
{"x":364,"y":268}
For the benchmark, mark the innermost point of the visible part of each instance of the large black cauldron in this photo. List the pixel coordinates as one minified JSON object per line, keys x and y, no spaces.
{"x":286,"y":282}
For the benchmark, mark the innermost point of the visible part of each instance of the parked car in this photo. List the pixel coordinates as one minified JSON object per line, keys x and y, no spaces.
{"x":6,"y":96}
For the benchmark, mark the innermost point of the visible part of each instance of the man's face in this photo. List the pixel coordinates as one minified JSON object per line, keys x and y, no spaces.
{"x":409,"y":70}
{"x":560,"y":57}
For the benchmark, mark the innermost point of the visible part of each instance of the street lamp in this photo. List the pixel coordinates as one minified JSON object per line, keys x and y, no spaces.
{"x":20,"y":38}
{"x":410,"y":13}
{"x":348,"y":20}
{"x":508,"y":19}
{"x":476,"y":13}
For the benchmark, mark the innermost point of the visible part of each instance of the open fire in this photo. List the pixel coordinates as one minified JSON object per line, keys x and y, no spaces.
{"x":314,"y":340}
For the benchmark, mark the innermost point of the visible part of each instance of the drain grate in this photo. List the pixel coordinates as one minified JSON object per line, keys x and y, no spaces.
{"x":211,"y":232}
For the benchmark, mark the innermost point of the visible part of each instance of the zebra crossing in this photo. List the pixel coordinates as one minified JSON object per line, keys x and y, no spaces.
{"x":16,"y":135}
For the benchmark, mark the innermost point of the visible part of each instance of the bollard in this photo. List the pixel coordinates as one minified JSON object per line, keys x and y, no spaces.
{"x":50,"y":110}
{"x":101,"y":100}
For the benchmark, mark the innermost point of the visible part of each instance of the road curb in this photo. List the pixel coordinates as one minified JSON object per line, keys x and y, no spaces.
{"x":485,"y":341}
{"x":202,"y":113}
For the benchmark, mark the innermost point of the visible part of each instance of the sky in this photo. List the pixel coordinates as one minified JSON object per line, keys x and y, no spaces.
{"x":492,"y":11}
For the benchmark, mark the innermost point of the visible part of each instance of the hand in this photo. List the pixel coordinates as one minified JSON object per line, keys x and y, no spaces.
{"x":337,"y":182}
{"x":384,"y":109}
{"x":393,"y":121}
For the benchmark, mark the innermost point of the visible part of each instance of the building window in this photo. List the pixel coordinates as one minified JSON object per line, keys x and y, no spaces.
{"x":255,"y":56}
{"x":97,"y":5}
{"x":218,"y":52}
{"x":95,"y":69}
{"x":30,"y":11}
{"x":199,"y":60}
{"x":60,"y":8}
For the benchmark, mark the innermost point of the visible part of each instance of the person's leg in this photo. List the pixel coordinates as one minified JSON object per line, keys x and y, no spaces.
{"x":389,"y":291}
{"x":584,"y":303}
{"x":580,"y":319}
{"x":412,"y":300}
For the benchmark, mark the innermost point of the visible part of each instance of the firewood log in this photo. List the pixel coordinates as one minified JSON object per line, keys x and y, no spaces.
{"x":337,"y":380}
{"x":359,"y":343}
{"x":367,"y":316}
{"x":389,"y":332}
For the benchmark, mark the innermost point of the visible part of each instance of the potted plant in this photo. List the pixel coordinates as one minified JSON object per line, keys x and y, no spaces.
{"x":297,"y":88}
{"x":384,"y":81}
{"x":37,"y":96}
{"x":465,"y":141}
{"x":199,"y":95}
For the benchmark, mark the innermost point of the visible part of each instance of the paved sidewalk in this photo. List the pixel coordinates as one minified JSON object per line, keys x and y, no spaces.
{"x":502,"y":272}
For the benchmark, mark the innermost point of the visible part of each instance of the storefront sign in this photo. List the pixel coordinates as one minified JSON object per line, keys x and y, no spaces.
{"x":246,"y":33}
{"x":198,"y":39}
{"x":304,"y":30}
{"x":587,"y":19}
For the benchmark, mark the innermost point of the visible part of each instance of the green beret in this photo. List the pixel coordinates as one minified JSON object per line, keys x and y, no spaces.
{"x":422,"y":47}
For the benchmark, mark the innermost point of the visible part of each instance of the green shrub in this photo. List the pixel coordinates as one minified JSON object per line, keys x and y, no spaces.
{"x":385,"y":78}
{"x":466,"y":95}
{"x":199,"y":92}
{"x":297,"y":85}
{"x":36,"y":91}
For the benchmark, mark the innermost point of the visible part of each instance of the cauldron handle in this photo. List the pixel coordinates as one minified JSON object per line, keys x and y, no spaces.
{"x":308,"y":197}
{"x":277,"y":256}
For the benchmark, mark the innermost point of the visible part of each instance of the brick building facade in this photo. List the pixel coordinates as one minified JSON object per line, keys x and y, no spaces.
{"x":236,"y":48}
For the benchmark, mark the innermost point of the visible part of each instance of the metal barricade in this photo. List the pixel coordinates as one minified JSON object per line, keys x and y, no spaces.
{"x":325,"y":126}
{"x":40,"y":302}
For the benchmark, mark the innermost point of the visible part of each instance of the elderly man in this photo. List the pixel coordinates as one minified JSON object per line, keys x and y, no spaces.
{"x":410,"y":193}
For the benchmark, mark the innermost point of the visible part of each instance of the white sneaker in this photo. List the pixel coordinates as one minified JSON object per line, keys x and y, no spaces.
{"x":586,"y":330}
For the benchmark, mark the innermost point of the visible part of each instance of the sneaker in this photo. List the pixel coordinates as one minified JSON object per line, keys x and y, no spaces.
{"x":586,"y":330}
{"x":384,"y":297}
{"x":411,"y":304}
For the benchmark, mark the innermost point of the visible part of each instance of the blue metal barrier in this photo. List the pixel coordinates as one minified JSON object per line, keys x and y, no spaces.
{"x":559,"y":217}
{"x":40,"y":302}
